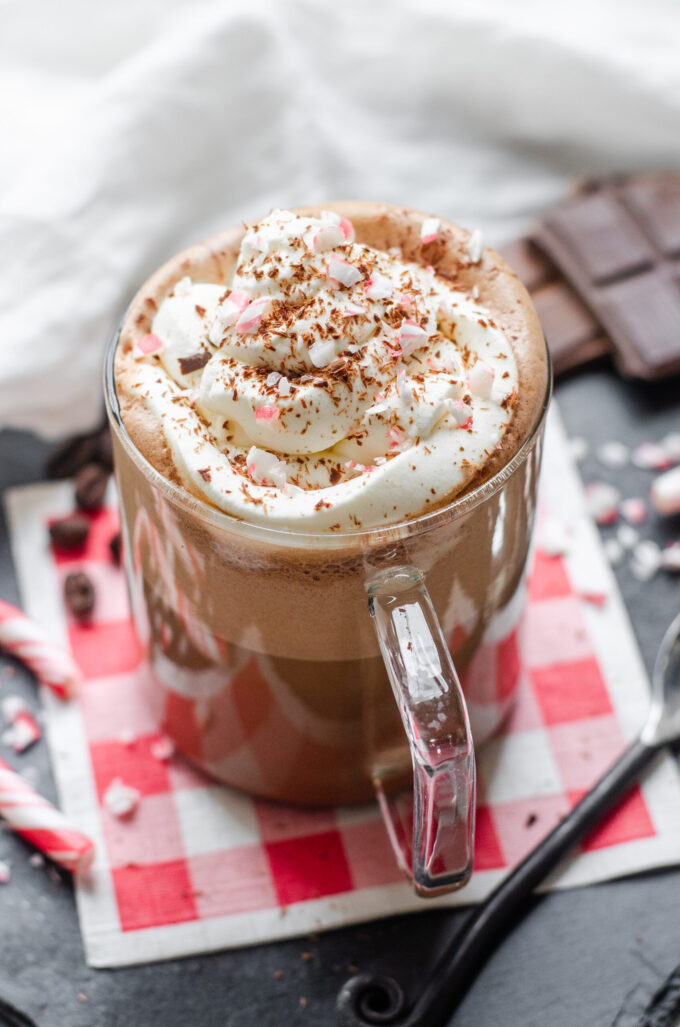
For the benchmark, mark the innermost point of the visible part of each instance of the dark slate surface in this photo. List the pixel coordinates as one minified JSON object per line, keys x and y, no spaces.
{"x":587,"y":957}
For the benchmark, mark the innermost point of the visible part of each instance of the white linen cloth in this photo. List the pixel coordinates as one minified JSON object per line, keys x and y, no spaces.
{"x":132,"y":129}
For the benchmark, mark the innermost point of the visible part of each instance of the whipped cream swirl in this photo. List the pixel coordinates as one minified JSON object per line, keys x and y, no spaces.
{"x":331,"y":386}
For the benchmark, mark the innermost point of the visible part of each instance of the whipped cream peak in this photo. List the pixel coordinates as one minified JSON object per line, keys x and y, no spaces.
{"x":330,"y":385}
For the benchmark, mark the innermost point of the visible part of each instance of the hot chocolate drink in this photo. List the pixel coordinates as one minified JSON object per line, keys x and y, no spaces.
{"x":296,"y":405}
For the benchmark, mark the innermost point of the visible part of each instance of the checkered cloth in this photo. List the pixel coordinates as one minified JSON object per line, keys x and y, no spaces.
{"x":200,"y":867}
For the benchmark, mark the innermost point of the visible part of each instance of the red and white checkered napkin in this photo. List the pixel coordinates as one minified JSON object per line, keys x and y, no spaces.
{"x":199,"y":867}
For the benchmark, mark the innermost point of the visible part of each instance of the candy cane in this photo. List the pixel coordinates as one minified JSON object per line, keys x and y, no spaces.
{"x":39,"y":823}
{"x":50,"y":662}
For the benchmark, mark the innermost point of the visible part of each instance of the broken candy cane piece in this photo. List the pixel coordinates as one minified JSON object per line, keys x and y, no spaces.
{"x":147,"y":346}
{"x":602,"y":501}
{"x":267,"y":414}
{"x":51,"y":663}
{"x":665,"y":492}
{"x":411,"y":336}
{"x":340,"y":270}
{"x":250,"y":318}
{"x":429,"y":230}
{"x":475,"y":247}
{"x":23,"y":730}
{"x":634,"y":510}
{"x":120,"y":799}
{"x":480,"y":379}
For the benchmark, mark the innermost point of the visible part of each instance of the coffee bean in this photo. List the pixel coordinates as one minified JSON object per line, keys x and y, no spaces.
{"x":79,"y":594}
{"x":114,"y":546}
{"x":91,"y":482}
{"x":70,"y":532}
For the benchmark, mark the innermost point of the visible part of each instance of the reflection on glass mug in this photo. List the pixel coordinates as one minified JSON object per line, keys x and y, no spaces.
{"x":327,"y":437}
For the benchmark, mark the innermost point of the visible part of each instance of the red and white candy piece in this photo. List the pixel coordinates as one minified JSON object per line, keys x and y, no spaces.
{"x":120,"y":799}
{"x":411,"y":336}
{"x":480,"y":379}
{"x":665,"y":492}
{"x":670,"y":557}
{"x":651,"y":456}
{"x":352,"y":310}
{"x":227,"y":314}
{"x":602,"y":501}
{"x":41,"y":824}
{"x":378,"y":287}
{"x":327,"y":238}
{"x":322,"y":352}
{"x":343,"y":223}
{"x":51,"y":663}
{"x":341,"y":271}
{"x":251,"y":317}
{"x":265,"y":468}
{"x":147,"y":346}
{"x":613,"y":454}
{"x":23,"y":730}
{"x":429,"y":230}
{"x":460,"y":412}
{"x":634,"y":510}
{"x":268,"y":413}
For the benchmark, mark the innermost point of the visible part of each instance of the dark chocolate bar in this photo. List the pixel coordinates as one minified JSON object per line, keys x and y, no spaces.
{"x":573,"y":334}
{"x":617,"y":244}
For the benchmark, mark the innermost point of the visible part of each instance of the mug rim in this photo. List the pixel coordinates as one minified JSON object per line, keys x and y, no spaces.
{"x":366,"y":537}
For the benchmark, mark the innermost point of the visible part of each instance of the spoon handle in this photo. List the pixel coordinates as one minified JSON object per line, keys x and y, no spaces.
{"x":366,"y":1002}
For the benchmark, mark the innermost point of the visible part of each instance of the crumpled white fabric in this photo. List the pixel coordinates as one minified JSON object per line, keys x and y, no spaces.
{"x":132,"y":129}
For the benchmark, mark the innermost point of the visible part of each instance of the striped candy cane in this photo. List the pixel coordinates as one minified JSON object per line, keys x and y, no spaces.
{"x":50,"y":662}
{"x":37,"y":820}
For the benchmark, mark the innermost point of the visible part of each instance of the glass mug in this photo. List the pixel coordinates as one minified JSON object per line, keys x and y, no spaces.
{"x":269,"y":654}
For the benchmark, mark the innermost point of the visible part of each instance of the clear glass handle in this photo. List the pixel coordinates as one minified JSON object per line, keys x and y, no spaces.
{"x":433,"y":711}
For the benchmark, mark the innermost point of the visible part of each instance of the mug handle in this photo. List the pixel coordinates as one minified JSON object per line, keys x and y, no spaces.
{"x":434,"y":715}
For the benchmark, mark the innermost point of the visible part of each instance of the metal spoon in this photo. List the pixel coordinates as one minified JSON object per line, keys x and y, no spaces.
{"x":370,"y":999}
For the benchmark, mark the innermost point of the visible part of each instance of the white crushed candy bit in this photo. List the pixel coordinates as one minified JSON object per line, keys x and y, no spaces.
{"x":264,"y":468}
{"x":554,"y":537}
{"x":645,"y":560}
{"x":183,"y":287}
{"x":12,"y":706}
{"x":411,"y":336}
{"x":327,"y":238}
{"x":322,"y":352}
{"x":671,"y":444}
{"x":627,"y":535}
{"x":126,"y":737}
{"x":460,"y":412}
{"x":377,"y":408}
{"x":340,"y":270}
{"x":227,"y":314}
{"x":670,"y":557}
{"x":283,"y":387}
{"x":250,"y":319}
{"x":36,"y":859}
{"x":273,"y":378}
{"x":120,"y":799}
{"x":474,"y":293}
{"x":23,"y":733}
{"x":475,"y":247}
{"x":5,"y":871}
{"x":613,"y":454}
{"x":404,"y":389}
{"x":613,"y":550}
{"x":634,"y":510}
{"x":602,"y":502}
{"x":665,"y":492}
{"x":480,"y":379}
{"x":378,"y":287}
{"x":162,"y":749}
{"x":578,"y":447}
{"x":651,"y":456}
{"x":429,"y":230}
{"x":352,"y":310}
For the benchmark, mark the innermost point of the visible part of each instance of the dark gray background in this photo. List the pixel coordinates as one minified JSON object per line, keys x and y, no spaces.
{"x":591,"y":956}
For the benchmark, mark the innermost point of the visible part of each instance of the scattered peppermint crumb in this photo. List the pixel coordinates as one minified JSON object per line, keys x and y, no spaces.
{"x":613,"y":454}
{"x":578,"y":447}
{"x":645,"y":560}
{"x":475,"y":247}
{"x":162,"y":749}
{"x":5,"y":872}
{"x":120,"y":799}
{"x":36,"y":859}
{"x":627,"y":536}
{"x":613,"y":551}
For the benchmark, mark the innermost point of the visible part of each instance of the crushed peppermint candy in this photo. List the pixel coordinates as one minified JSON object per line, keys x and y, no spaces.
{"x":481,"y":378}
{"x":273,"y":378}
{"x":613,"y":550}
{"x":341,"y":271}
{"x":554,"y":537}
{"x":665,"y":492}
{"x":283,"y":387}
{"x":602,"y":502}
{"x":404,"y":389}
{"x":23,"y":730}
{"x":162,"y":749}
{"x":429,"y":230}
{"x":475,"y":247}
{"x":378,"y":287}
{"x":264,"y":468}
{"x":651,"y":456}
{"x":613,"y":454}
{"x":5,"y":871}
{"x":120,"y":799}
{"x":352,"y":310}
{"x":634,"y":510}
{"x":327,"y":238}
{"x":322,"y":352}
{"x":645,"y":560}
{"x":627,"y":536}
{"x":411,"y":336}
{"x":147,"y":346}
{"x":670,"y":557}
{"x":227,"y":314}
{"x":251,"y":318}
{"x":460,"y":412}
{"x":578,"y":447}
{"x":183,"y":287}
{"x":268,"y":413}
{"x":671,"y":443}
